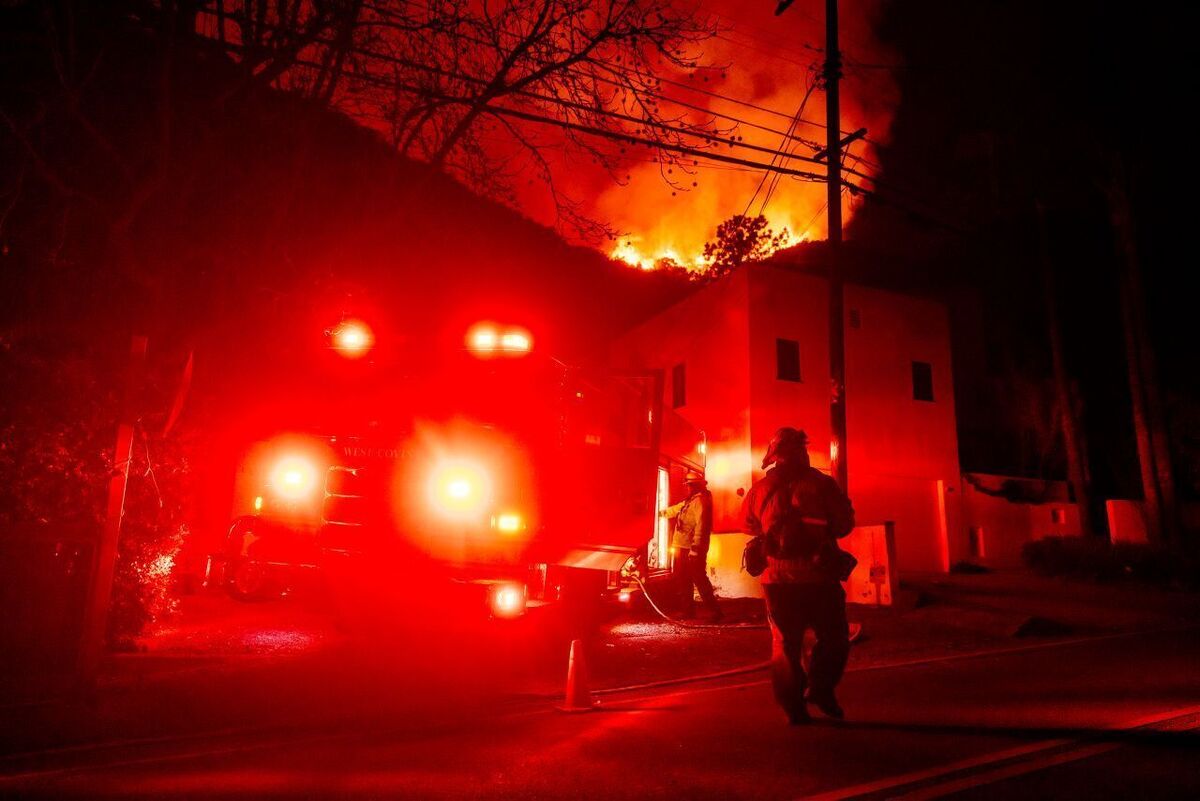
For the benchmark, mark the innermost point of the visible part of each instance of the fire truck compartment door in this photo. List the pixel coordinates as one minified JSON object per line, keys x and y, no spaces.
{"x":596,"y":557}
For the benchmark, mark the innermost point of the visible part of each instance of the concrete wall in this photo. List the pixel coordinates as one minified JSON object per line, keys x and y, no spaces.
{"x":873,"y":582}
{"x":999,"y":528}
{"x":708,"y":333}
{"x":1127,"y":521}
{"x":903,"y":453}
{"x":904,"y":462}
{"x":725,"y":567}
{"x":788,"y":305}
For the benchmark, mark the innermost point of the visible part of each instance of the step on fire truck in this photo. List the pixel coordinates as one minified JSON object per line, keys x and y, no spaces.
{"x":490,"y":477}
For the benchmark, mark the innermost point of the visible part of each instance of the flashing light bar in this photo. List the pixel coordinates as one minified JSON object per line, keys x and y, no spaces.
{"x":487,"y":339}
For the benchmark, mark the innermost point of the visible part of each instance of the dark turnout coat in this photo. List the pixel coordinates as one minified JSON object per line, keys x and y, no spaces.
{"x":815,"y":497}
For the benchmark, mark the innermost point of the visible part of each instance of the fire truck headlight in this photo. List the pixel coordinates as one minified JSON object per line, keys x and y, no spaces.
{"x":459,"y":490}
{"x":507,"y":600}
{"x":294,"y":478}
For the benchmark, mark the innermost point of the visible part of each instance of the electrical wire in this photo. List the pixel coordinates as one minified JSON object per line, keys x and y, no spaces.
{"x":562,"y":102}
{"x":700,"y":154}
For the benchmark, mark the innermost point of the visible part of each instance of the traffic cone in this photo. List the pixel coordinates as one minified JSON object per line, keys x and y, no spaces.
{"x":578,"y":695}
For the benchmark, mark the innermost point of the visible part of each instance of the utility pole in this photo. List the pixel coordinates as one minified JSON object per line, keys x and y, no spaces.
{"x":832,"y":74}
{"x":95,"y":615}
{"x":837,"y":331}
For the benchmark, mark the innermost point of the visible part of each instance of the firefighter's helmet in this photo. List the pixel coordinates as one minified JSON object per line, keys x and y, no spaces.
{"x":693,"y":477}
{"x":788,"y":443}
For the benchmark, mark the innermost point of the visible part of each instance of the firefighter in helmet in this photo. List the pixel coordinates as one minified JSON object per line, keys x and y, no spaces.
{"x":693,"y":529}
{"x":801,"y":507}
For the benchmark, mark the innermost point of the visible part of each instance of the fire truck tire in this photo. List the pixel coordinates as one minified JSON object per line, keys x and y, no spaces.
{"x":251,"y":580}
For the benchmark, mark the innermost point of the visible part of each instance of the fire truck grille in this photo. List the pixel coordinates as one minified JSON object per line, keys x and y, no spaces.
{"x":352,"y":496}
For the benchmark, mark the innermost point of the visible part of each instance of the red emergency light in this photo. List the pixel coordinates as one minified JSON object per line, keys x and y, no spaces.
{"x":352,"y":338}
{"x":488,"y":340}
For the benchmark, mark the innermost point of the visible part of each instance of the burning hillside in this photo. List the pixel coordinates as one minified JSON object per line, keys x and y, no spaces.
{"x":635,"y":126}
{"x":771,"y":83}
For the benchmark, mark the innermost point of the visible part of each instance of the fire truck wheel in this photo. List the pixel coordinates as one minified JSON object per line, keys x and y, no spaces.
{"x":250,"y":580}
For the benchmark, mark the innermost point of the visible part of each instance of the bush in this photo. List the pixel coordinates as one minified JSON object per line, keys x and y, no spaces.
{"x":1103,"y":561}
{"x":57,"y":424}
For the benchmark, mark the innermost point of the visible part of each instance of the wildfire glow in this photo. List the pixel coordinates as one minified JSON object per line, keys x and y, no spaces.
{"x":671,"y":210}
{"x":636,"y":252}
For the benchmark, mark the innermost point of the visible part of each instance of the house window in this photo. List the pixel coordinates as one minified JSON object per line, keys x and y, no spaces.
{"x":787,"y":360}
{"x":678,"y":385}
{"x":922,"y":380}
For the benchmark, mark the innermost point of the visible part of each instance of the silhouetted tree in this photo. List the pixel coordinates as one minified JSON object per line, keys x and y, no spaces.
{"x":486,"y":90}
{"x":742,"y":239}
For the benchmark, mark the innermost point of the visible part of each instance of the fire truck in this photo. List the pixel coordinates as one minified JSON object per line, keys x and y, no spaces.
{"x":490,"y":476}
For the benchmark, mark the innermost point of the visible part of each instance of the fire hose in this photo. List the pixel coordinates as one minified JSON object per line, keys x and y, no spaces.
{"x":855,"y":628}
{"x":684,"y":624}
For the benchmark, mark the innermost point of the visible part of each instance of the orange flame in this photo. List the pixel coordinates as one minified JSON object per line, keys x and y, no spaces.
{"x":767,"y":57}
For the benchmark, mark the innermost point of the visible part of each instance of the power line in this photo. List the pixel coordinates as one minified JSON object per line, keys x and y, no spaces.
{"x":783,"y":145}
{"x":581,"y":128}
{"x":605,"y":66}
{"x":599,"y":78}
{"x":742,"y":163}
{"x":565,"y":103}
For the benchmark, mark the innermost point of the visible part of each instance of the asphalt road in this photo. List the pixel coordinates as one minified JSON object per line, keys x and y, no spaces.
{"x":1116,"y":717}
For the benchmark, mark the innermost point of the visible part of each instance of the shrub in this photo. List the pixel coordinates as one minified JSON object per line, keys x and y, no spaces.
{"x":57,"y":424}
{"x":1103,"y":561}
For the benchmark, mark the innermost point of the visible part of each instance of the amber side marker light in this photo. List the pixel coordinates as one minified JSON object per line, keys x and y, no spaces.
{"x":508,"y":523}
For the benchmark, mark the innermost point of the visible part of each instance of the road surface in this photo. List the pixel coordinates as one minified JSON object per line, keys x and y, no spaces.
{"x":1113,"y":717}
